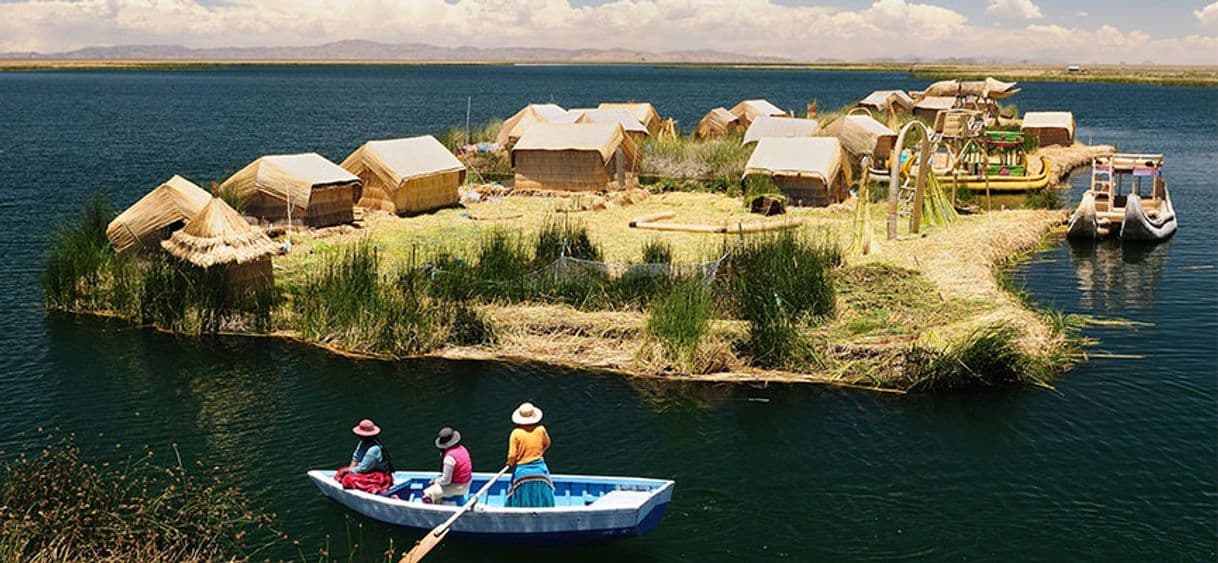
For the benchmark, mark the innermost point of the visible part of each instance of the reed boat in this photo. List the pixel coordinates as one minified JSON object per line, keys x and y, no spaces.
{"x":1106,"y":211}
{"x":588,"y":509}
{"x":999,"y":182}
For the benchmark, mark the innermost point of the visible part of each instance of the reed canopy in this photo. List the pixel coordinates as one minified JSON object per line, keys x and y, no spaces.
{"x":749,"y":110}
{"x":862,"y":135}
{"x":808,"y":170}
{"x":928,"y":107}
{"x":717,"y":123}
{"x":157,"y":215}
{"x":306,"y":187}
{"x":410,"y":175}
{"x":576,"y":157}
{"x":882,"y":100}
{"x":515,"y":126}
{"x":765,"y":127}
{"x":643,"y":112}
{"x":1049,"y":127}
{"x":220,"y":237}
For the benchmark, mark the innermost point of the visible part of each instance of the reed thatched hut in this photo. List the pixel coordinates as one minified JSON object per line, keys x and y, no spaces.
{"x":643,"y":112}
{"x":516,"y":125}
{"x":881,"y":100}
{"x":749,"y":110}
{"x":409,"y":175}
{"x":1050,"y":127}
{"x":312,"y":190}
{"x":863,"y":135}
{"x":808,"y":170}
{"x":576,"y":157}
{"x":157,"y":215}
{"x":765,"y":127}
{"x":717,"y":123}
{"x":636,"y":130}
{"x":927,"y":108}
{"x":218,"y":237}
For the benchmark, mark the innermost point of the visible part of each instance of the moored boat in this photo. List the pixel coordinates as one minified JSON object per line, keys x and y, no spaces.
{"x":588,"y":509}
{"x":1144,"y":213}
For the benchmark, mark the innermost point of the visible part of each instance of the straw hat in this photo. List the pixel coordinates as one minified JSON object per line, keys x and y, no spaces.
{"x":526,"y":413}
{"x":447,"y":438}
{"x":366,"y":428}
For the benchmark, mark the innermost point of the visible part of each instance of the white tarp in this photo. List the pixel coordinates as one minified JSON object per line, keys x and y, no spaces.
{"x":817,"y":157}
{"x":764,"y":127}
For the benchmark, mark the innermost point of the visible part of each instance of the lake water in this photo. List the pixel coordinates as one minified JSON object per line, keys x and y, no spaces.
{"x":1120,"y":463}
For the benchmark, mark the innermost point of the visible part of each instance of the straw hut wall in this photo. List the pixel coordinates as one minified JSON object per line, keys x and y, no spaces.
{"x":1050,"y":127}
{"x":320,"y":192}
{"x":863,"y":135}
{"x":576,"y":157}
{"x":158,"y":214}
{"x":643,"y":112}
{"x":218,"y":237}
{"x":409,"y":175}
{"x":717,"y":123}
{"x":516,"y":125}
{"x":927,"y":108}
{"x":883,"y":99}
{"x":749,"y":110}
{"x":810,"y":171}
{"x":764,"y":127}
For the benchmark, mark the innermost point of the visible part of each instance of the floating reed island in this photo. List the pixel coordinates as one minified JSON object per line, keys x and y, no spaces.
{"x":765,"y":246}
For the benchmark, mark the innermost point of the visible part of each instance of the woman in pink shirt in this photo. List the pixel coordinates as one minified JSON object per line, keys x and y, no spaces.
{"x":457,"y":469}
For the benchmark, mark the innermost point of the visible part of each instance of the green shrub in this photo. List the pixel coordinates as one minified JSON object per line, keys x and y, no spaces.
{"x":1044,"y":198}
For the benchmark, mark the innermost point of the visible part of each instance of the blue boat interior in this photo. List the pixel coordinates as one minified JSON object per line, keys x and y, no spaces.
{"x":567,"y":492}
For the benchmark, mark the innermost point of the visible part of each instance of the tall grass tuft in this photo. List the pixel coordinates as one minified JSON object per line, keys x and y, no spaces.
{"x":79,"y":258}
{"x":657,"y":251}
{"x":1044,"y":198}
{"x":987,"y":357}
{"x":563,"y":236}
{"x":58,"y":506}
{"x":680,"y":320}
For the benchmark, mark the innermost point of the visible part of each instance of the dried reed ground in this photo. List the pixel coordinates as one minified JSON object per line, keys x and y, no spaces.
{"x":923,"y":290}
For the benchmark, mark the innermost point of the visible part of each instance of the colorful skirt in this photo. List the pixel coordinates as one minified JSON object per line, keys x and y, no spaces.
{"x":375,"y":482}
{"x":531,"y":486}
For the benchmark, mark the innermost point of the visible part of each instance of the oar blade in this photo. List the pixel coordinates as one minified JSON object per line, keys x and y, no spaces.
{"x":423,"y":547}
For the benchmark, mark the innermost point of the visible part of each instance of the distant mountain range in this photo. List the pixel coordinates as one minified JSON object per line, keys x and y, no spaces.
{"x":361,"y":50}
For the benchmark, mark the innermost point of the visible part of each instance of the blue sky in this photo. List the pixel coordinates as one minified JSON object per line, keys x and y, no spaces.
{"x":1086,"y":31}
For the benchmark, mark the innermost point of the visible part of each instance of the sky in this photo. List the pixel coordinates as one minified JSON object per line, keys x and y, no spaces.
{"x":1081,"y":32}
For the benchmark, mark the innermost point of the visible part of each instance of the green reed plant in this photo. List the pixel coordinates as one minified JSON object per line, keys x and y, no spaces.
{"x":79,"y":258}
{"x":987,"y":357}
{"x":657,"y":251}
{"x":680,"y":320}
{"x":564,"y":236}
{"x":1044,"y":198}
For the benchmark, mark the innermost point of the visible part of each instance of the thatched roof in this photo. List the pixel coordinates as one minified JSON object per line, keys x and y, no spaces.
{"x":989,"y":88}
{"x":716,"y":122}
{"x":936,"y":103}
{"x":861,"y":134}
{"x":643,"y":112}
{"x":765,"y":126}
{"x":817,"y":157}
{"x":603,"y":138}
{"x":749,"y":110}
{"x":178,"y":199}
{"x":287,"y":177}
{"x":219,"y":235}
{"x":397,"y":160}
{"x":622,"y":117}
{"x":882,"y":98}
{"x":1049,"y":120}
{"x":516,"y":125}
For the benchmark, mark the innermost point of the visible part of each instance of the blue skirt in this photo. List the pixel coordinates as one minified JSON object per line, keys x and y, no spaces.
{"x":531,"y":486}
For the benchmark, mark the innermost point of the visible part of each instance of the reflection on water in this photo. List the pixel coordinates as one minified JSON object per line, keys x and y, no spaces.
{"x":1113,"y":275}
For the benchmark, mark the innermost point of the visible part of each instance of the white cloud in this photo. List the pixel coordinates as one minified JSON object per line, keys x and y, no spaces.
{"x":1208,"y":15}
{"x":1014,"y":9}
{"x":1081,"y":14}
{"x":904,"y":29}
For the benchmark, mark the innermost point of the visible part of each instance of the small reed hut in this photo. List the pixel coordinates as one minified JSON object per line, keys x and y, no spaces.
{"x":636,"y":130}
{"x":862,"y":135}
{"x":882,"y":100}
{"x":409,"y":175}
{"x":808,"y":170}
{"x":313,"y":190}
{"x":218,"y":237}
{"x":749,"y":110}
{"x":717,"y":123}
{"x":157,"y":215}
{"x":766,"y":127}
{"x":516,"y":125}
{"x":1050,"y":127}
{"x":576,"y":157}
{"x":643,"y":112}
{"x":927,"y":108}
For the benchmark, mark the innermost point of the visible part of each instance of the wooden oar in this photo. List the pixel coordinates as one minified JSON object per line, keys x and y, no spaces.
{"x":434,"y":537}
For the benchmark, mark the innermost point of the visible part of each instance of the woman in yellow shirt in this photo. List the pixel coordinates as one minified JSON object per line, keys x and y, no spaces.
{"x":531,"y":486}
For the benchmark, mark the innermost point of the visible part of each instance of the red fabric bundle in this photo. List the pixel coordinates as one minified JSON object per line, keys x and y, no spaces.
{"x":375,"y":482}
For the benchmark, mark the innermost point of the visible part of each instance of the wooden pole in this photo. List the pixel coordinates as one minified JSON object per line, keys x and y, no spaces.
{"x":924,"y":168}
{"x":469,"y":106}
{"x":985,"y":169}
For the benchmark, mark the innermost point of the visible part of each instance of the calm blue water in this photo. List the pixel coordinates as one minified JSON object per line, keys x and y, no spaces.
{"x":1120,"y":463}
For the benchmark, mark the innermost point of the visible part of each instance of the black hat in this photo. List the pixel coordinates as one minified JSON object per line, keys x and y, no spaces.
{"x":447,"y":438}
